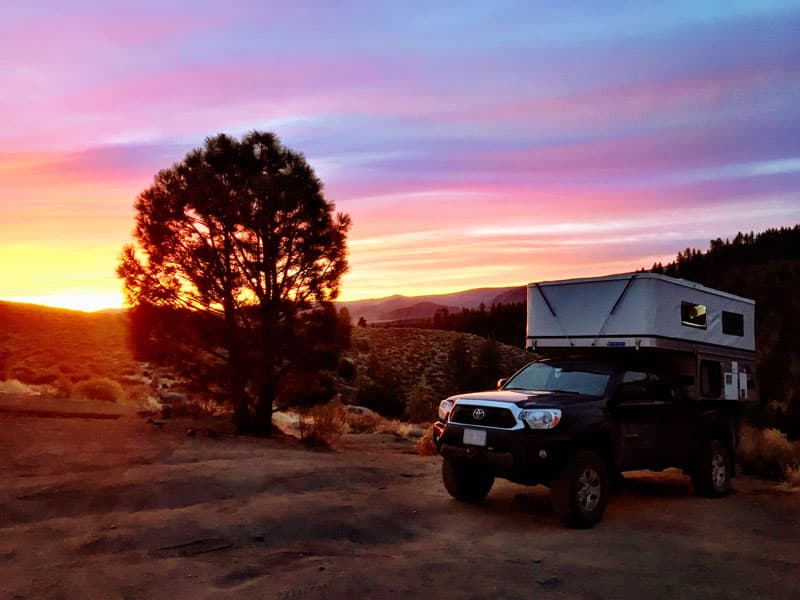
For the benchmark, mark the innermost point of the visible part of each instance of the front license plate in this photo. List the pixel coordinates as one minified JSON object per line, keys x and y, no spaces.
{"x":475,"y":437}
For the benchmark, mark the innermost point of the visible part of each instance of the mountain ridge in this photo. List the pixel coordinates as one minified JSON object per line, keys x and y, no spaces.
{"x":399,"y":307}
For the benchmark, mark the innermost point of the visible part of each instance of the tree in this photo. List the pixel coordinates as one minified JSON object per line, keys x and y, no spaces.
{"x":422,"y":403}
{"x":240,"y":233}
{"x":460,"y":365}
{"x":487,"y":365}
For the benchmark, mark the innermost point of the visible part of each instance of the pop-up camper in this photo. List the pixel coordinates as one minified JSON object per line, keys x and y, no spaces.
{"x":636,"y":371}
{"x":709,"y":333}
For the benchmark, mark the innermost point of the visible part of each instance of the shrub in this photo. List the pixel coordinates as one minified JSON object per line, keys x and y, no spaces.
{"x":14,"y":386}
{"x":99,"y":388}
{"x":769,"y":453}
{"x":142,"y":395}
{"x":422,"y":404}
{"x":346,"y":369}
{"x":381,"y":395}
{"x":323,"y":425}
{"x":425,"y":445}
{"x":64,"y":386}
{"x":78,"y":377}
{"x":307,"y":389}
{"x":44,"y":378}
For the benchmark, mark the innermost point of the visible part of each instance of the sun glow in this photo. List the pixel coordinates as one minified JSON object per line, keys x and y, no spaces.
{"x":86,"y":302}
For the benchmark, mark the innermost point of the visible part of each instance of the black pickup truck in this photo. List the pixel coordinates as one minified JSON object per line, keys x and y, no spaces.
{"x":575,"y":424}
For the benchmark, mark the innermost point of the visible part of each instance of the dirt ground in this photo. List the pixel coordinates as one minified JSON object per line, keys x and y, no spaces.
{"x":119,"y":508}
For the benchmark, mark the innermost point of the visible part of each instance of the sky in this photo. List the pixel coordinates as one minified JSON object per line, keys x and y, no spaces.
{"x":473,"y":144}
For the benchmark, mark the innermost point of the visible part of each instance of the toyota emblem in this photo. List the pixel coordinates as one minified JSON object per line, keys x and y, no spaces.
{"x":478,"y":414}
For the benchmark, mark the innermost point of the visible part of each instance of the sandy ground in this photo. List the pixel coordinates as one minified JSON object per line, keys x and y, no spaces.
{"x":119,"y":508}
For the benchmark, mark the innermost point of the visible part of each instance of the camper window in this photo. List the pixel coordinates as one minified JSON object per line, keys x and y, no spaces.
{"x":732,"y":323}
{"x":710,"y":378}
{"x":693,"y":315}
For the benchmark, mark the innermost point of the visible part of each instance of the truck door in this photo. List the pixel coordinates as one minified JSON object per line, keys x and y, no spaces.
{"x":637,"y":412}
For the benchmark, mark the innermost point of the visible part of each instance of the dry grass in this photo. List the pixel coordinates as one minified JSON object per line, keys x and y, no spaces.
{"x":15,"y":386}
{"x":357,"y":419}
{"x":769,"y":453}
{"x":425,"y":445}
{"x":322,"y":425}
{"x":56,"y":349}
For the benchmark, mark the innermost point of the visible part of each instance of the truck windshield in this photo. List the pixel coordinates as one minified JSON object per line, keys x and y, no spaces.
{"x":543,"y":377}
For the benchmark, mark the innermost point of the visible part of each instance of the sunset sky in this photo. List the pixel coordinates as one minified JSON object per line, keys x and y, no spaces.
{"x":473,"y":143}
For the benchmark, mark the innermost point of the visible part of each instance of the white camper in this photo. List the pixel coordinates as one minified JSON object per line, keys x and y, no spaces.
{"x":711,"y":333}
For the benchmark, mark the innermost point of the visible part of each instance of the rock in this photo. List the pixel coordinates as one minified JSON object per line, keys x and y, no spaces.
{"x":416,"y":432}
{"x":359,"y":410}
{"x":173,"y":397}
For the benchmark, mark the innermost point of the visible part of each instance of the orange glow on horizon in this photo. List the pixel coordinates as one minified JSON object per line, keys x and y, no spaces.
{"x":85,"y":302}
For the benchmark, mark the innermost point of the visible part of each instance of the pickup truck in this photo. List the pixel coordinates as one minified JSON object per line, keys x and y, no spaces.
{"x":575,"y":423}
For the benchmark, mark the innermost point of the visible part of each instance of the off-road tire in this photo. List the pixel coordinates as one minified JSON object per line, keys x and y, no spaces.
{"x":712,"y":473}
{"x":465,"y":482}
{"x":580,"y":491}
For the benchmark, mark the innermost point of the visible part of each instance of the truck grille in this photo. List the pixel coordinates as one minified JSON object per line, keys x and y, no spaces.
{"x":493,"y":416}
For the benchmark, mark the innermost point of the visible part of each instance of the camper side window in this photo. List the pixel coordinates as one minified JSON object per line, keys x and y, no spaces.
{"x":710,"y":379}
{"x":693,"y":315}
{"x":732,"y":323}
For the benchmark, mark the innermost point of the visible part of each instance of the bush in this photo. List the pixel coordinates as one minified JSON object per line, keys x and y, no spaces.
{"x":769,"y":453}
{"x":44,"y":378}
{"x":425,"y":445}
{"x":346,"y":369}
{"x":15,"y":386}
{"x":64,"y":386}
{"x":383,"y":394}
{"x":422,"y":405}
{"x":323,"y":425}
{"x":307,"y":389}
{"x":99,"y":388}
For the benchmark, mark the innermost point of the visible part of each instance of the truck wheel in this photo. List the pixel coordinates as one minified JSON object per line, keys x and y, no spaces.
{"x":580,"y":492}
{"x":465,"y":482}
{"x":712,"y":474}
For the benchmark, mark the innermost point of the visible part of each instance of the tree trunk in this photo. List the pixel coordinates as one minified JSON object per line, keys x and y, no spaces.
{"x":266,"y":396}
{"x":241,"y":411}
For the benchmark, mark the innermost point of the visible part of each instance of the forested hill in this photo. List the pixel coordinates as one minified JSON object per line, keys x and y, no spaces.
{"x":766,"y":268}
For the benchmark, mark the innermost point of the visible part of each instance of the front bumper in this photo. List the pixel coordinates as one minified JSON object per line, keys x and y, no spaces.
{"x":520,"y":455}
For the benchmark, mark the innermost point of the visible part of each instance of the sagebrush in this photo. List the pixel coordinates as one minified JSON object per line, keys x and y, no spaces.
{"x":99,"y":388}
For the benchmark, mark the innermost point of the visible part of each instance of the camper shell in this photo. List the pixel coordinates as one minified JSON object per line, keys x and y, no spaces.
{"x":707,"y":336}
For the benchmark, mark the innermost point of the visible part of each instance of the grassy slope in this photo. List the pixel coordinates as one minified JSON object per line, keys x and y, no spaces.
{"x":42,"y":345}
{"x":416,"y":353}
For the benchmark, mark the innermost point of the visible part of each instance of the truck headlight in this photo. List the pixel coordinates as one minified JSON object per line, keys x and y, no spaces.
{"x":540,"y":418}
{"x":445,"y":407}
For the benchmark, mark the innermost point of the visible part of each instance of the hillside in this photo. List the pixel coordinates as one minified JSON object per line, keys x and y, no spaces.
{"x":59,"y":348}
{"x":52,"y":350}
{"x":396,"y":308}
{"x":409,"y":357}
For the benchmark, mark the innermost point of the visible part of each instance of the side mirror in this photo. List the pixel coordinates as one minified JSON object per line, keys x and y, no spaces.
{"x":501,"y":383}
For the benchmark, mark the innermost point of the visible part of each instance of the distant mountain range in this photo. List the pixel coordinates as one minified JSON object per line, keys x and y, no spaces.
{"x":404,"y":308}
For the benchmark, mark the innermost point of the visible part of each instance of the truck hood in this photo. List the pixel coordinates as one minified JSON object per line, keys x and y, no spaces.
{"x":525,"y":399}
